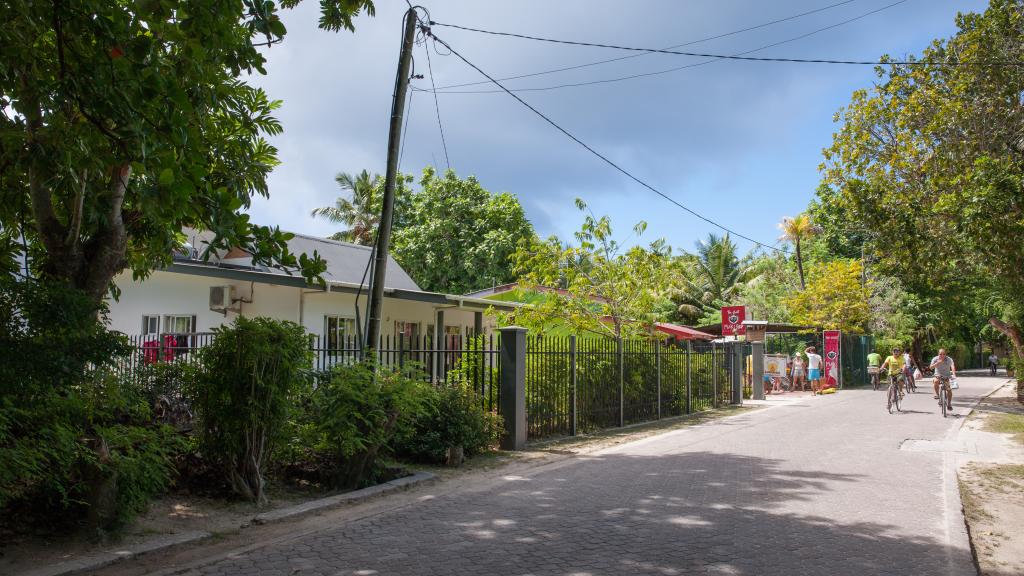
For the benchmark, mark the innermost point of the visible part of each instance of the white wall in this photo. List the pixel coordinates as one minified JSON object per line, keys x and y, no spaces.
{"x":172,"y":293}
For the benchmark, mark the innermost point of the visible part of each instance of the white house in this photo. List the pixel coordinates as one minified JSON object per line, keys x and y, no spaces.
{"x":193,"y":295}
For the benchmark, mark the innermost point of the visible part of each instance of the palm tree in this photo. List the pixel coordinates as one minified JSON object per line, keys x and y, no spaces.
{"x":795,"y":230}
{"x":361,"y":214}
{"x":711,"y":278}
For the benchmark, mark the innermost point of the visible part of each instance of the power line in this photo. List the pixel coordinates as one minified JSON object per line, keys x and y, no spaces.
{"x":405,"y":129}
{"x":437,"y":107}
{"x":732,"y":57}
{"x":428,"y":32}
{"x":677,"y":68}
{"x":690,"y":43}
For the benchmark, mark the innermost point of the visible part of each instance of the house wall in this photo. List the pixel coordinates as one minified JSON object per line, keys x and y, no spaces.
{"x":170,"y":293}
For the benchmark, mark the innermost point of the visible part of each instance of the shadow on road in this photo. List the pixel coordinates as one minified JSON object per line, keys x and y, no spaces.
{"x":617,"y":514}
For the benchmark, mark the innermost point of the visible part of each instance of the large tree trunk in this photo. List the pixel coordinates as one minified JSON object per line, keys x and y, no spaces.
{"x":1012,"y":332}
{"x":88,"y":265}
{"x":1017,"y":339}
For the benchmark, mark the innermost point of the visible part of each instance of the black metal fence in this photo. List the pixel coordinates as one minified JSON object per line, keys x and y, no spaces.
{"x":573,"y":385}
{"x":579,"y":385}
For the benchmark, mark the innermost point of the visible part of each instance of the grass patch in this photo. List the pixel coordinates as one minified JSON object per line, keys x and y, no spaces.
{"x":1007,"y":424}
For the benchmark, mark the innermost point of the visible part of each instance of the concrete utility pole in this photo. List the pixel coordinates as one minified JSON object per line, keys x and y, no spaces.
{"x":394,"y":144}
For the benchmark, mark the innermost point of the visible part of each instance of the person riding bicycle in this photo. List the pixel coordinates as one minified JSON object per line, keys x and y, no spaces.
{"x":945,"y":369}
{"x":993,"y":363}
{"x":894,"y":365}
{"x":909,"y":364}
{"x":874,"y":362}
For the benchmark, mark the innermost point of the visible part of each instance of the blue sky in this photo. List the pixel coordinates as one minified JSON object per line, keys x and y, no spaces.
{"x":739,"y":142}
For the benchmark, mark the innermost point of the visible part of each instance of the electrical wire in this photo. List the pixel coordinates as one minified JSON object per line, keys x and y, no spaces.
{"x":732,"y":57}
{"x":437,"y":107}
{"x":427,"y":31}
{"x":689,"y":43}
{"x":676,"y":68}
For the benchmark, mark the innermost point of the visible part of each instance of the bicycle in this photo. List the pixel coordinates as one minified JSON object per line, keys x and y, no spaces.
{"x":894,"y":396}
{"x":944,"y":394}
{"x":873,"y":373}
{"x":909,"y":382}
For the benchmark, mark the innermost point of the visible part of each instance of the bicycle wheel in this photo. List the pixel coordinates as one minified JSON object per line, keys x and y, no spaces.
{"x":943,"y":399}
{"x":897,"y":401}
{"x":889,"y":397}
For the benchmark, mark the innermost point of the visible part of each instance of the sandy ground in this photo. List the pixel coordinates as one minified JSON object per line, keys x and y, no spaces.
{"x":992,"y":484}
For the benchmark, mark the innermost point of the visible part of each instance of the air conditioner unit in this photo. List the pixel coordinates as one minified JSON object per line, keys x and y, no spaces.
{"x":222,"y":297}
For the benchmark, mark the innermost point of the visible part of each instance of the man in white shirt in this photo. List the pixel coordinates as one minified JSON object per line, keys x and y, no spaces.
{"x":945,"y":369}
{"x":813,"y":369}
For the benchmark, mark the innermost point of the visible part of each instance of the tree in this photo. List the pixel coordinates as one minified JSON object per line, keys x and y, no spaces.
{"x":457,"y":236}
{"x":931,"y":159}
{"x":765,"y":295}
{"x":834,"y":299}
{"x":361,"y":213}
{"x":709,"y":279}
{"x":123,"y":122}
{"x":796,"y":230}
{"x":606,"y":289}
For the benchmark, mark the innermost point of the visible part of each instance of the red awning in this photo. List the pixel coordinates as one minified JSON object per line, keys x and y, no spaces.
{"x":682,"y":332}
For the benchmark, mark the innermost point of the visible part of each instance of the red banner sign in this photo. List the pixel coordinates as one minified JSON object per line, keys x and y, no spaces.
{"x":732,"y":320}
{"x":830,"y":379}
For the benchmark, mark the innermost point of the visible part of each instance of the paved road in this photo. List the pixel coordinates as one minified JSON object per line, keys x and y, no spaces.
{"x":819,"y":486}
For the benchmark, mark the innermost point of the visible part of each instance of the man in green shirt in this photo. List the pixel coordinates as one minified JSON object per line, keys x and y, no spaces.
{"x":874,"y":361}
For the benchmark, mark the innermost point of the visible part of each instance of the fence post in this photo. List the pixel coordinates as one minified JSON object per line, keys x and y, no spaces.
{"x":572,"y":385}
{"x":513,"y":387}
{"x":714,"y":374}
{"x":657,"y":368}
{"x":622,"y":383}
{"x":689,"y":379}
{"x":401,"y":350}
{"x":757,"y":369}
{"x":735,"y":353}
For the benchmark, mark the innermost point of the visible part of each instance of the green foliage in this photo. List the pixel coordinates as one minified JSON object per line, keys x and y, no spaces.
{"x":125,"y":122}
{"x":834,"y":299}
{"x":349,"y":420}
{"x":766,"y":294}
{"x":608,"y":290}
{"x":75,"y":442}
{"x":452,"y":416}
{"x":457,"y":236}
{"x":706,"y":281}
{"x":929,"y":162}
{"x":361,"y":214}
{"x":250,"y":375}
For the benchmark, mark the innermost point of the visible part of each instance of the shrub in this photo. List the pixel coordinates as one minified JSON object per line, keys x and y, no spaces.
{"x":75,"y":442}
{"x":250,"y":374}
{"x":350,"y":420}
{"x":453,"y":419}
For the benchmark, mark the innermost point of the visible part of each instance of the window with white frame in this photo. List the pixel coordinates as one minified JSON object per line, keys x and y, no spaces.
{"x":150,"y":325}
{"x":172,"y":324}
{"x":340,"y":332}
{"x":179,"y":324}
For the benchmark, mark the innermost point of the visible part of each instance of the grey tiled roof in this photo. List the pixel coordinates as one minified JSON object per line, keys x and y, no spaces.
{"x":346,"y":262}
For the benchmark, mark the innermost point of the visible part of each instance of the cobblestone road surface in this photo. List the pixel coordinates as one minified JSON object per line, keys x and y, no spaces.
{"x":819,"y":486}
